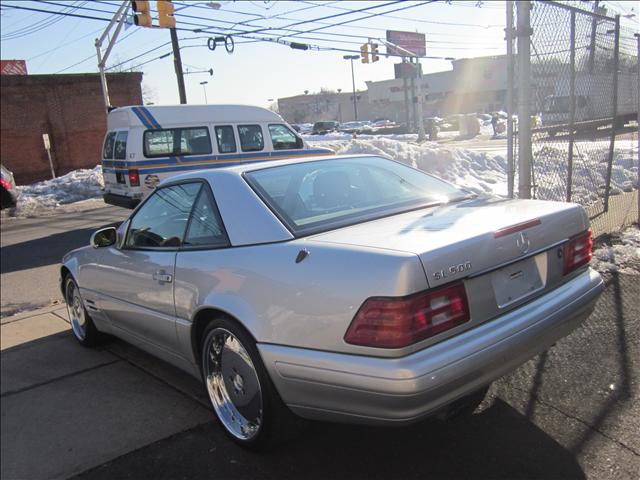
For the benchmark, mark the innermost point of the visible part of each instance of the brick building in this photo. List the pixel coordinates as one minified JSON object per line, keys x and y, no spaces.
{"x":69,"y":108}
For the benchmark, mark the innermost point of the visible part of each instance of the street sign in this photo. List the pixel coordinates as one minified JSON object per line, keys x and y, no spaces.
{"x":13,"y":67}
{"x":406,"y":69}
{"x":412,"y":43}
{"x":45,"y":139}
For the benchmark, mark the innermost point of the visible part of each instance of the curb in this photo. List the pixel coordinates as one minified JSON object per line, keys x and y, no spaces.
{"x":33,"y":313}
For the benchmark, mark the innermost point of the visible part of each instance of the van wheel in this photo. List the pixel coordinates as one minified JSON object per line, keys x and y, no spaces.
{"x":82,"y":325}
{"x":241,"y":392}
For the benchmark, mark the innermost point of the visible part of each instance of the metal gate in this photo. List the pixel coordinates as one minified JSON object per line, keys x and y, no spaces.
{"x":579,"y":84}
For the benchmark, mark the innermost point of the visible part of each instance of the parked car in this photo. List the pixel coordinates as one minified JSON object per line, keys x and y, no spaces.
{"x":320,"y":128}
{"x":353,"y":127}
{"x":349,"y":288}
{"x":8,"y":191}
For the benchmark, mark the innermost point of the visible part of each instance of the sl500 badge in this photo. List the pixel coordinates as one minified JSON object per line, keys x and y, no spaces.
{"x":452,"y":270}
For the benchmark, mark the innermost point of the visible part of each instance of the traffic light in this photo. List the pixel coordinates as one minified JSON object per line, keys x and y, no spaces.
{"x":141,"y":13}
{"x":364,"y":53}
{"x":165,"y":14}
{"x":374,"y":52}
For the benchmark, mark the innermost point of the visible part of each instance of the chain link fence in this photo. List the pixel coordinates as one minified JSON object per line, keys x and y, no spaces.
{"x":584,"y":100}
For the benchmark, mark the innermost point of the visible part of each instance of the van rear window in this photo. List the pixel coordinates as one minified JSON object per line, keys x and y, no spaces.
{"x":177,"y":141}
{"x":107,"y":150}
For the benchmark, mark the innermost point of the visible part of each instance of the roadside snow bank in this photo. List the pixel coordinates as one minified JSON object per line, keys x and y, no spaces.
{"x":479,"y":172}
{"x":44,"y":197}
{"x":622,"y":256}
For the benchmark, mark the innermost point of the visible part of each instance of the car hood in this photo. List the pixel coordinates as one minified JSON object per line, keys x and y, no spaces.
{"x":464,"y":233}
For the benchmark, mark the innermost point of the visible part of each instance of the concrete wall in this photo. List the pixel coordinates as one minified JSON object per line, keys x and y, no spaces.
{"x":69,"y":108}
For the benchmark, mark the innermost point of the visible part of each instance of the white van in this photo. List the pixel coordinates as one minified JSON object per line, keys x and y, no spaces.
{"x":144,"y":145}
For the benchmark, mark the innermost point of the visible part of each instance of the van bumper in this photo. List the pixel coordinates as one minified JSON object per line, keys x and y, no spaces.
{"x":120,"y":200}
{"x":395,"y":391}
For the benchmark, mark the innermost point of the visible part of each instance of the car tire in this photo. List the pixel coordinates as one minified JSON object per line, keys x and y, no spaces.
{"x":5,"y":199}
{"x":82,"y":325}
{"x":243,"y":397}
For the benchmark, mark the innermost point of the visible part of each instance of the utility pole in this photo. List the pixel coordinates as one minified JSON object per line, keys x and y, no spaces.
{"x":592,"y":46}
{"x":523,"y":9}
{"x":119,"y":18}
{"x":421,"y":135}
{"x":405,"y":89}
{"x":637,"y":35}
{"x":510,"y":63}
{"x":353,"y":82}
{"x":177,"y":61}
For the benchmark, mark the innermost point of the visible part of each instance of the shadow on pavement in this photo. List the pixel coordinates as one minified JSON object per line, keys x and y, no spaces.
{"x":496,"y":443}
{"x":46,"y":250}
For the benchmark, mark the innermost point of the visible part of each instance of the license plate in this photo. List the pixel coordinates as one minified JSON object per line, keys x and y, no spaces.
{"x":519,"y":280}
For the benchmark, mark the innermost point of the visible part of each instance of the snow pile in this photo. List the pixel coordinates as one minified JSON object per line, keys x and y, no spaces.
{"x":589,"y":170}
{"x":622,"y":256}
{"x":43,"y":197}
{"x":479,"y":172}
{"x":402,"y":137}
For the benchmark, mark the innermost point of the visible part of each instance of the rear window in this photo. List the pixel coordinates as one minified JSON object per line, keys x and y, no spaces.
{"x":251,"y":139}
{"x":311,"y":197}
{"x":107,"y":150}
{"x":120,"y":149}
{"x":177,"y":141}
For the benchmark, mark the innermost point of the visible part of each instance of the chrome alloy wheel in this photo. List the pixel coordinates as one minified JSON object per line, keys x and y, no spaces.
{"x":233,"y":384}
{"x":76,"y":312}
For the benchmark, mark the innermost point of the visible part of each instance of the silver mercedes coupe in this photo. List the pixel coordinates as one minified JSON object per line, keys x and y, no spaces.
{"x":351,"y":289}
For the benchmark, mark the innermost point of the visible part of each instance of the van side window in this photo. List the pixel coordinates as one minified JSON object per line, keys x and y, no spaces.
{"x":107,"y":151}
{"x":251,"y":139}
{"x":226,"y":140}
{"x":194,"y":141}
{"x":158,"y":143}
{"x":177,"y":141}
{"x":120,"y":149}
{"x":283,"y":138}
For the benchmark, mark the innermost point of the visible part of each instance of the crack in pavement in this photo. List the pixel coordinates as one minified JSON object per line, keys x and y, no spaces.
{"x":579,"y":420}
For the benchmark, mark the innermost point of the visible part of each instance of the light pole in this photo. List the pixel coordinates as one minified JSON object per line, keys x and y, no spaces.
{"x":204,"y":89}
{"x":353,"y":81}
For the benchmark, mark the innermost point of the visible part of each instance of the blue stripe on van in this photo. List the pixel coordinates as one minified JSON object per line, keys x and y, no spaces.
{"x":151,"y":118}
{"x":141,"y":117}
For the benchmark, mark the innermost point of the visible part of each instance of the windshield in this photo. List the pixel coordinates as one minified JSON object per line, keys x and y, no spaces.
{"x":317,"y":196}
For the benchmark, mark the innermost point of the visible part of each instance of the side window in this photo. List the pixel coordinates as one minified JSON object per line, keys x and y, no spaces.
{"x":107,"y":150}
{"x":194,"y":141}
{"x":162,"y":220}
{"x":283,"y":138}
{"x":205,"y":226}
{"x":251,"y":139}
{"x":121,"y":145}
{"x":158,"y":143}
{"x":177,"y":141}
{"x":226,"y":140}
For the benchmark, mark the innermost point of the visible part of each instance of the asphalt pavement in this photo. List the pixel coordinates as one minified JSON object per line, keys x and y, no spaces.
{"x":33,"y":247}
{"x":116,"y":412}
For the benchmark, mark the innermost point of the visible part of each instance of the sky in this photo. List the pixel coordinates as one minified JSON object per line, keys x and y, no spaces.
{"x":257,"y":72}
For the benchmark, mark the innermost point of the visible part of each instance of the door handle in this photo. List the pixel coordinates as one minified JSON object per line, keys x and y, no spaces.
{"x":162,"y":277}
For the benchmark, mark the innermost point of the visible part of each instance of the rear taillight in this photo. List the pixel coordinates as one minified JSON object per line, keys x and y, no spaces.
{"x":398,"y":322}
{"x":134,"y":178}
{"x":577,"y":252}
{"x":5,"y":184}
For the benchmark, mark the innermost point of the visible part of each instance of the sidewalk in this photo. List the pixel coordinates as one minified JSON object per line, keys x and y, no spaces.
{"x":66,"y":408}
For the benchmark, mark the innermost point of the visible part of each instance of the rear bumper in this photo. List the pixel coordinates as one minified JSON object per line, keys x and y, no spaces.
{"x":120,"y":200}
{"x":357,"y":389}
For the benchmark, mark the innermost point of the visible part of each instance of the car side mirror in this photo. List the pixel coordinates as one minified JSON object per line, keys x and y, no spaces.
{"x":105,"y":237}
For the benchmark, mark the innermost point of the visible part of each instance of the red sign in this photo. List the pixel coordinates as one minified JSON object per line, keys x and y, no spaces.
{"x":13,"y":67}
{"x":411,"y":43}
{"x":407,"y":70}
